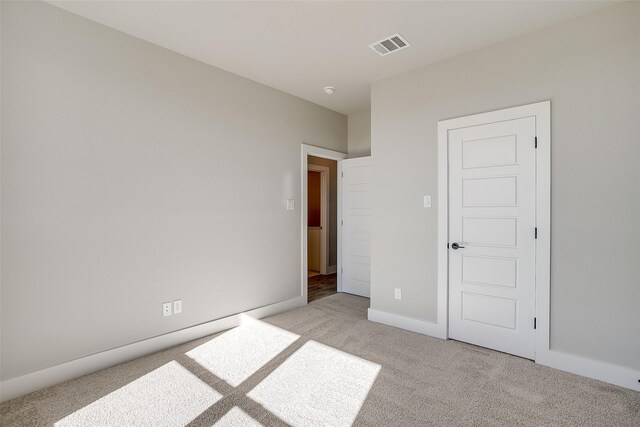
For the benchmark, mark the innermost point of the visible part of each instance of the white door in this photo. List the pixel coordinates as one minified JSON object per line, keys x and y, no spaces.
{"x":357,"y":189}
{"x":492,"y":219}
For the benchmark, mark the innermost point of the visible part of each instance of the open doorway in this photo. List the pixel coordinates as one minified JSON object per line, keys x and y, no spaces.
{"x":322,"y":227}
{"x":323,"y":282}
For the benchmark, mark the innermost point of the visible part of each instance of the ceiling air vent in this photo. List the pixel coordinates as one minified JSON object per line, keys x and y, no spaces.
{"x":389,"y":45}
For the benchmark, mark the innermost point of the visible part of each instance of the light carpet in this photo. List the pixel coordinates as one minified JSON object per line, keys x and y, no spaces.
{"x":341,"y":370}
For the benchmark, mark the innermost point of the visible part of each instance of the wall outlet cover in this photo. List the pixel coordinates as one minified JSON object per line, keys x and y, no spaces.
{"x":177,"y":306}
{"x":166,"y":309}
{"x":398,"y":293}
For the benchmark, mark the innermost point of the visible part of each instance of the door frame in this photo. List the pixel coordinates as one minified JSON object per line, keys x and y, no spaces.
{"x":311,"y":150}
{"x":542,"y":113}
{"x":325,"y":190}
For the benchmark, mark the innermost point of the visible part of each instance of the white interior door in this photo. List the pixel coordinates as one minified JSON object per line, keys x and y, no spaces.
{"x":492,"y":218}
{"x":357,"y":189}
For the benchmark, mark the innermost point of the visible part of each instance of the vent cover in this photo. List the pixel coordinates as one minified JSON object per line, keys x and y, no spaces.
{"x":389,"y":45}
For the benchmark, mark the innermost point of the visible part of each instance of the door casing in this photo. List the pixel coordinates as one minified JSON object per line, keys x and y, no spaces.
{"x":542,"y":113}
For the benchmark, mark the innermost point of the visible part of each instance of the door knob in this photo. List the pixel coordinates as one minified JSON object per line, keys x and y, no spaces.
{"x":456,"y":246}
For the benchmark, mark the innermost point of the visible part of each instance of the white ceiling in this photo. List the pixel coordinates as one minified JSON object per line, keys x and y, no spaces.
{"x":301,"y":47}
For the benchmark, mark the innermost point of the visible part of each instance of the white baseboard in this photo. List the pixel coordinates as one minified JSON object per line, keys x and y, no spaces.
{"x":37,"y":380}
{"x":603,"y":371}
{"x":590,"y":368}
{"x":332,"y":269}
{"x":408,"y":323}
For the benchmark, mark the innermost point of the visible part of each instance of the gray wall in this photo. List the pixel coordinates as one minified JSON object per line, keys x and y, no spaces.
{"x":132,"y":176}
{"x":359,"y":132}
{"x":590,"y":70}
{"x":333,"y":205}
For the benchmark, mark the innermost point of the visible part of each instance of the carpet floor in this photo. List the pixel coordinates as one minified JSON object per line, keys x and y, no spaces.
{"x":325,"y":364}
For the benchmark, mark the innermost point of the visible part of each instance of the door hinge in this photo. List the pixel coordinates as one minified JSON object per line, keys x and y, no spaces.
{"x":342,"y":222}
{"x":536,"y":232}
{"x":536,"y":142}
{"x":342,"y":174}
{"x":535,"y":322}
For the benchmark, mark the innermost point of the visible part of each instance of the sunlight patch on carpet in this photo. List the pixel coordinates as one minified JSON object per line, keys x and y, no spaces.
{"x":169,"y":395}
{"x":237,"y":417}
{"x":317,"y":385}
{"x":237,"y":354}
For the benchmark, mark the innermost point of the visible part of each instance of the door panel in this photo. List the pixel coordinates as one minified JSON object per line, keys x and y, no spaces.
{"x":490,"y":271}
{"x":490,"y":231}
{"x":489,"y":152}
{"x":357,"y":186}
{"x":489,"y":310}
{"x":492,"y":216}
{"x":494,"y":191}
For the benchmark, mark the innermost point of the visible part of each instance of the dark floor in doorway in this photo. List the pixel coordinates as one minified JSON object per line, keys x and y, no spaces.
{"x":322,"y":286}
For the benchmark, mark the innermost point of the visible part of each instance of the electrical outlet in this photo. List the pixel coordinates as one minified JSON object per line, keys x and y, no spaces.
{"x":166,"y":309}
{"x":427,"y":201}
{"x":177,"y":306}
{"x":291,"y":204}
{"x":398,"y":293}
